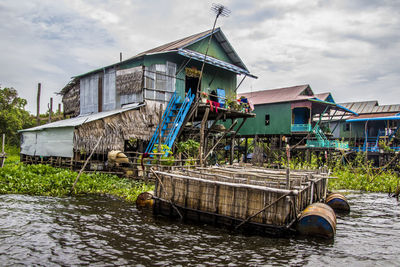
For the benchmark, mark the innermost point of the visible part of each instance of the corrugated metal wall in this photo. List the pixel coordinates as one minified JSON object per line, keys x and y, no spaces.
{"x":89,"y":94}
{"x":54,"y":142}
{"x":109,"y":92}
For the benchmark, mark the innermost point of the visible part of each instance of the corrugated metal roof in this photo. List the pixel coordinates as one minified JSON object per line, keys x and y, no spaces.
{"x":73,"y":122}
{"x":183,"y":43}
{"x":175,"y":45}
{"x":368,"y":108}
{"x":361,"y":107}
{"x":286,"y":94}
{"x":187,"y":41}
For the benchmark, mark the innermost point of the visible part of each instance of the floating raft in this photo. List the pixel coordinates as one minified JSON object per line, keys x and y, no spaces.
{"x":259,"y":200}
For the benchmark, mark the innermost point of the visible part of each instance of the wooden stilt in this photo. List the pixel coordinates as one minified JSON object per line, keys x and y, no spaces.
{"x":202,"y":130}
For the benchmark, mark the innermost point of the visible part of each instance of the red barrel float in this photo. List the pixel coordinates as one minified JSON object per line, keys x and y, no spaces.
{"x":318,"y":219}
{"x":338,"y":202}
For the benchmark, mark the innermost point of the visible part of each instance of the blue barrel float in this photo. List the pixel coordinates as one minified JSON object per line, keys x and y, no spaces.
{"x":319,"y":220}
{"x":338,"y":203}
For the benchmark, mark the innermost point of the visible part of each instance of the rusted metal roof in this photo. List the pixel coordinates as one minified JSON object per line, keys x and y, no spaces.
{"x":175,"y":45}
{"x":187,"y":41}
{"x":180,"y":44}
{"x":286,"y":94}
{"x":324,"y":96}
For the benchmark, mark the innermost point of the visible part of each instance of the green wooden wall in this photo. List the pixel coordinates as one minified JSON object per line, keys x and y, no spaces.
{"x":215,"y":50}
{"x":280,"y":120}
{"x":357,"y":130}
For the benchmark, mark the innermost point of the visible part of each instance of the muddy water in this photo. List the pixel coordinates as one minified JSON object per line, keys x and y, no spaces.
{"x":100,"y":232}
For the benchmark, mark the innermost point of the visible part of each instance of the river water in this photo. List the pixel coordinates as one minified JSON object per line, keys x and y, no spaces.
{"x":100,"y":231}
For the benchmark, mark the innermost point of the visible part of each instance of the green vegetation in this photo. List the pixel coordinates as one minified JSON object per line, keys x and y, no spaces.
{"x":44,"y":180}
{"x":13,"y":116}
{"x":352,"y":175}
{"x":358,"y":179}
{"x":189,"y":150}
{"x":164,"y":160}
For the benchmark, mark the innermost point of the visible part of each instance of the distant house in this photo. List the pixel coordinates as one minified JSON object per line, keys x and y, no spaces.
{"x":122,"y":101}
{"x":375,"y":122}
{"x":291,"y":112}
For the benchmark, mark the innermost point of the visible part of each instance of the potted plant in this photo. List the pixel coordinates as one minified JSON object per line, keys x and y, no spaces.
{"x":203,"y":97}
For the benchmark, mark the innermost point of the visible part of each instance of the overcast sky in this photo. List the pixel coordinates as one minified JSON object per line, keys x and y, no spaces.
{"x":349,"y":48}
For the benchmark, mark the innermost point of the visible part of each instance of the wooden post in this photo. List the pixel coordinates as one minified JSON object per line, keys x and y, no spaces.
{"x":84,"y":165}
{"x":202,"y":130}
{"x":3,"y":155}
{"x":120,"y":56}
{"x":232,"y":150}
{"x":288,"y":167}
{"x":246,"y":147}
{"x":50,"y":108}
{"x":38,"y":105}
{"x":59,"y":109}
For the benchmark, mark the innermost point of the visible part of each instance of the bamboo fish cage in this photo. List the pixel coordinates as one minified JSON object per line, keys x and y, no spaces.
{"x":266,"y":201}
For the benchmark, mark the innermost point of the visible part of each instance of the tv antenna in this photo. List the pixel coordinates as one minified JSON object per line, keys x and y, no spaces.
{"x":219,"y":10}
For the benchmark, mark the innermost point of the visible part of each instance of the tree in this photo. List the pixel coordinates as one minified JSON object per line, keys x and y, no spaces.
{"x":13,"y":116}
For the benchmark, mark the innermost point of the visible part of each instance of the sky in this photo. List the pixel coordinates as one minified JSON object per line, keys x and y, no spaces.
{"x":348,"y":48}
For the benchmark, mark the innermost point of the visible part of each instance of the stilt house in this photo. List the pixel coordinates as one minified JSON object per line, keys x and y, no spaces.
{"x":122,"y":103}
{"x":294,"y":113}
{"x":375,"y":123}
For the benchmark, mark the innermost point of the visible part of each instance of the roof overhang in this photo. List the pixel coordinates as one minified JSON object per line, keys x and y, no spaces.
{"x":77,"y":121}
{"x":215,"y":62}
{"x":388,"y":118}
{"x":332,"y":105}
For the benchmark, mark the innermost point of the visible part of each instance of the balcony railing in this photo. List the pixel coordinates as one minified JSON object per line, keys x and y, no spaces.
{"x":328,"y":144}
{"x":301,"y":128}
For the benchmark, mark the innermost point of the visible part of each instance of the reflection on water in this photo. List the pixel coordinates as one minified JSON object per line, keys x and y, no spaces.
{"x":102,"y":231}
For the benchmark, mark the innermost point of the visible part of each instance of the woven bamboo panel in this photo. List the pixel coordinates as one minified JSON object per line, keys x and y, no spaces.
{"x":138,"y":123}
{"x":241,"y":195}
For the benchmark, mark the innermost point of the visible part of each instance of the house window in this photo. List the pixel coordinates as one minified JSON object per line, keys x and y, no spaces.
{"x":160,"y":81}
{"x":266,"y":119}
{"x":346,"y":127}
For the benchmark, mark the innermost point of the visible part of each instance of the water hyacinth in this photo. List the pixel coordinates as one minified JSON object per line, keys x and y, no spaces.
{"x":46,"y":180}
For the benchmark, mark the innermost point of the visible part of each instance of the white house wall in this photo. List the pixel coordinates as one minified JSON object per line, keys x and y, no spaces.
{"x":53,"y":142}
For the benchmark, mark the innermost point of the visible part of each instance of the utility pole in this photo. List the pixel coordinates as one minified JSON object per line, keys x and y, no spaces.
{"x":50,"y":108}
{"x":38,"y":105}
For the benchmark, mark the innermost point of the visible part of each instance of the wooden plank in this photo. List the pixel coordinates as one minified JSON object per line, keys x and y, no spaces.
{"x":267,"y":189}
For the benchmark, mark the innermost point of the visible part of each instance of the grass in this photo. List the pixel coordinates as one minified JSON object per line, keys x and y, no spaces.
{"x":45,"y":180}
{"x":354,"y":175}
{"x":356,"y":179}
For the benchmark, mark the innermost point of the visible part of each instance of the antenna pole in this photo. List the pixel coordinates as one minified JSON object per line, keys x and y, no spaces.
{"x":219,"y":10}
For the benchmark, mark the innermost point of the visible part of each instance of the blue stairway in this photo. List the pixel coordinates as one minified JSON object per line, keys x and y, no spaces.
{"x":171,"y":121}
{"x":373,"y":142}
